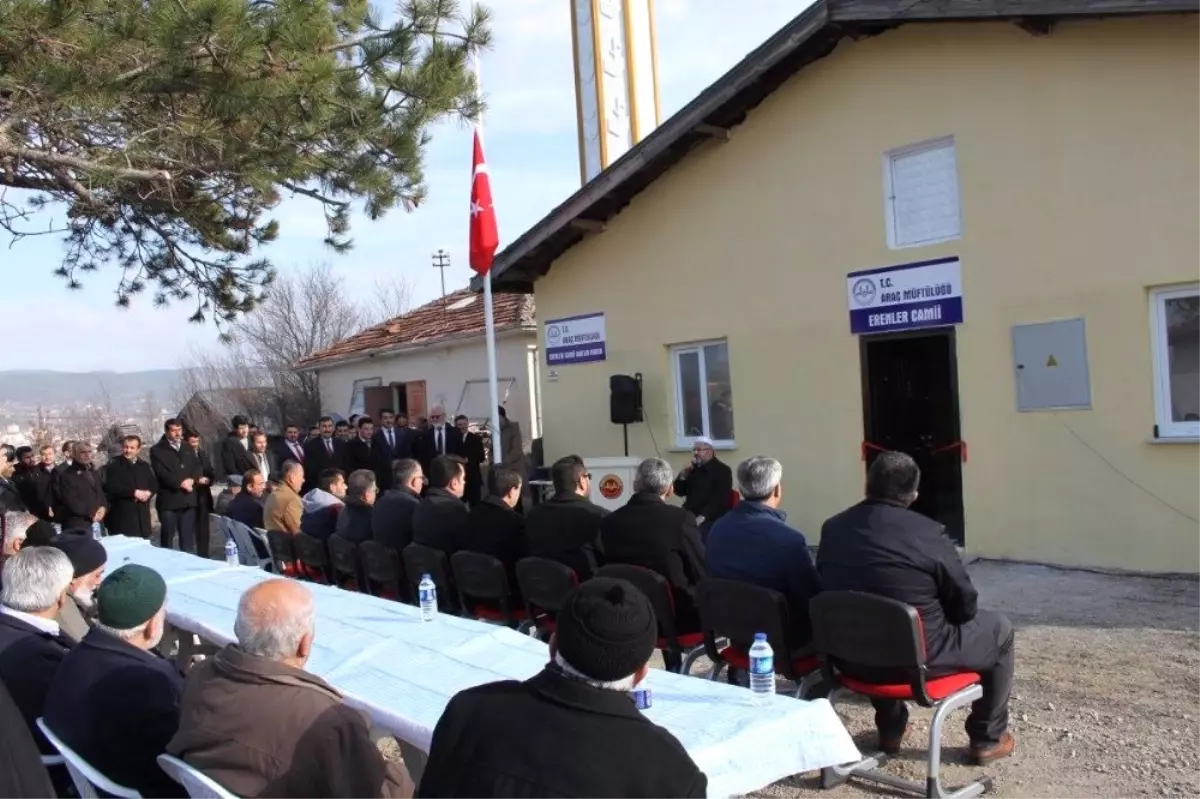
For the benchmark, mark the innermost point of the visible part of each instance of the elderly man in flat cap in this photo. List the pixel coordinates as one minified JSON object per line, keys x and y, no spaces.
{"x":87,"y":556}
{"x":573,"y":729}
{"x":114,"y":700}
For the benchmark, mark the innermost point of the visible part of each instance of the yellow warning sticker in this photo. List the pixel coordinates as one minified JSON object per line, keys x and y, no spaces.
{"x":1051,"y":361}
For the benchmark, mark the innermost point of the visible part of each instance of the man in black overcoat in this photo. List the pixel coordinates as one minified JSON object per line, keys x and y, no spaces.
{"x":129,"y":483}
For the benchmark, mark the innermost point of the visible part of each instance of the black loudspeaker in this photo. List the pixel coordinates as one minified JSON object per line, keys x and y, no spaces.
{"x":625,"y":399}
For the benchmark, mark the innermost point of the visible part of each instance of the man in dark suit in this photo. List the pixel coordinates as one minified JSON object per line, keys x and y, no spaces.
{"x":495,"y":528}
{"x":360,"y":450}
{"x":113,"y":700}
{"x":248,"y":506}
{"x":880,"y":546}
{"x":391,"y":519}
{"x":37,"y":487}
{"x":469,"y":446}
{"x":33,"y":591}
{"x":655,"y":535}
{"x":235,"y":449}
{"x":288,"y":448}
{"x":706,"y":485}
{"x":78,"y":496}
{"x":326,"y":451}
{"x":129,"y":485}
{"x":439,"y":520}
{"x":393,"y":441}
{"x":437,"y":439}
{"x":205,"y":503}
{"x":177,"y":468}
{"x":566,"y":527}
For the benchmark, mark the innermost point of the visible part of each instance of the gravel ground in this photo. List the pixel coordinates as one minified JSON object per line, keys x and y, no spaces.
{"x":1105,"y":701}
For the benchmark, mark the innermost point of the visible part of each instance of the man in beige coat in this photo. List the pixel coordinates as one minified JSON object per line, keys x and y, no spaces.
{"x":260,"y":725}
{"x":284,"y":505}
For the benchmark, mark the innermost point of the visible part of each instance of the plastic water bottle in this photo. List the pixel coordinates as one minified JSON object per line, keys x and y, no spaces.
{"x":97,"y":531}
{"x":231,"y":553}
{"x":427,"y":594}
{"x":762,"y":668}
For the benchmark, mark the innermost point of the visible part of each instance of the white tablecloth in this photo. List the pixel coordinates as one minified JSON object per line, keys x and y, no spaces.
{"x":402,"y":672}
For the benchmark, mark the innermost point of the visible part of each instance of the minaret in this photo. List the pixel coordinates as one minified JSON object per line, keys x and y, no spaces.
{"x":616,"y":78}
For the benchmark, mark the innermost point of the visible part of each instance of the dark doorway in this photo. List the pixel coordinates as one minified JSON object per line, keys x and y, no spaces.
{"x":910,"y":404}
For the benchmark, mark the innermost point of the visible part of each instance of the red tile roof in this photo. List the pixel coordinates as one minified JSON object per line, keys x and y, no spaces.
{"x":458,"y":315}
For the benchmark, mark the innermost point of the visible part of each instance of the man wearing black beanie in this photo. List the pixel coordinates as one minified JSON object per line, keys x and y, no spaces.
{"x":573,"y":729}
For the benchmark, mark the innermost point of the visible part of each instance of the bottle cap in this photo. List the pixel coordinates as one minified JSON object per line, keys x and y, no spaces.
{"x":426,"y":577}
{"x":760,"y":636}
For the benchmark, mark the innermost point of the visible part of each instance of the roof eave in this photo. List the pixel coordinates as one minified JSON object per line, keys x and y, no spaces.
{"x":410,"y":346}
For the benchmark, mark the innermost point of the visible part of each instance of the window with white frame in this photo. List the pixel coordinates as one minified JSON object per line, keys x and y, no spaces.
{"x":357,"y":399}
{"x":921,"y":193}
{"x":1175,"y":339}
{"x":703,"y":393}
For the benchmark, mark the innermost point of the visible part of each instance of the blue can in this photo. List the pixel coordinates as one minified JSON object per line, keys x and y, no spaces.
{"x":642,"y":698}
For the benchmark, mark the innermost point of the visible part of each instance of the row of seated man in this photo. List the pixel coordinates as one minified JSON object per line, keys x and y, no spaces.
{"x":253,"y":719}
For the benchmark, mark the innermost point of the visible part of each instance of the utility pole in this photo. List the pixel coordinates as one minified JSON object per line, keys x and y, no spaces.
{"x":441,"y":260}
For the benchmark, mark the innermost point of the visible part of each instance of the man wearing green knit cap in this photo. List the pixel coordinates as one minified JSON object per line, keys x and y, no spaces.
{"x":114,"y":700}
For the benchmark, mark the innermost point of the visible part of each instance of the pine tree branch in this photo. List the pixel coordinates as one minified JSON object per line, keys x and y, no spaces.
{"x":71,"y":162}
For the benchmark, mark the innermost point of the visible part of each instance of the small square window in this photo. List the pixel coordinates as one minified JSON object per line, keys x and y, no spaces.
{"x":703,"y":393}
{"x":921,"y":193}
{"x":1175,"y":343}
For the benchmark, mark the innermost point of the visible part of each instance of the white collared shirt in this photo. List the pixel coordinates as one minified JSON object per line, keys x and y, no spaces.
{"x":45,"y":625}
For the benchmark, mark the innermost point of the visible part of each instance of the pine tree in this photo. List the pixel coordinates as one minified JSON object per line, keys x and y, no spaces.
{"x":170,"y":129}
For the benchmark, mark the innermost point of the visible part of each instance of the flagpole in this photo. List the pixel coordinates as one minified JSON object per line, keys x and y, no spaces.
{"x":489,"y":322}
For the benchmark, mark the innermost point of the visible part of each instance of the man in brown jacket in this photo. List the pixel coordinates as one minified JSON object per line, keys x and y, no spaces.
{"x":284,"y":506}
{"x":253,"y":720}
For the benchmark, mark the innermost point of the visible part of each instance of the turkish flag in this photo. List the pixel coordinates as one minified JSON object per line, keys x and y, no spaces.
{"x":485,"y":236}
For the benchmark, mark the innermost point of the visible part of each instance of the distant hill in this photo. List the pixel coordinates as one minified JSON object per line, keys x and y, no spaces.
{"x":46,"y":387}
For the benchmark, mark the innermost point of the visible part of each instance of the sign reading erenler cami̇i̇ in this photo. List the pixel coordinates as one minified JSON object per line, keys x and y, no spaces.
{"x":575,"y":339}
{"x":905,"y":297}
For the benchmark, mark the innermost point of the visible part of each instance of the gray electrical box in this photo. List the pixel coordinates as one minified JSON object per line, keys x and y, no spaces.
{"x":1051,"y":366}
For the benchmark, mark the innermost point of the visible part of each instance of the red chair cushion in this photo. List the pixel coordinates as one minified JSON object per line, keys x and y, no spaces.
{"x":938,"y":688}
{"x":687,"y":641}
{"x":740,"y":659}
{"x":547,"y":623}
{"x":494,"y":614}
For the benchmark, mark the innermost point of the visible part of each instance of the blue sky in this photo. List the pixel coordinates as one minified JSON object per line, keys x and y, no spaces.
{"x":532,"y":158}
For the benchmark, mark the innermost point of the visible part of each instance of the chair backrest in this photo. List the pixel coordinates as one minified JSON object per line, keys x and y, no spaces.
{"x":545,"y":583}
{"x":737,"y":610}
{"x":249,"y":553}
{"x":197,"y":784}
{"x":86,"y":778}
{"x":343,"y":554}
{"x":311,"y":551}
{"x":734,"y":498}
{"x":479,"y":576}
{"x":381,"y":566}
{"x":420,"y":560}
{"x":654,"y":586}
{"x":868,"y":631}
{"x":282,"y":548}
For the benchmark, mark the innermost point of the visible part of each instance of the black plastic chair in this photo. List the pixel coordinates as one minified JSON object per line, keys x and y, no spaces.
{"x":862,"y":633}
{"x":679,"y":651}
{"x":283,"y":552}
{"x":343,"y":558}
{"x":736,"y":611}
{"x":483,"y":589}
{"x":544,"y":585}
{"x":314,"y":559}
{"x":382,"y":572}
{"x":420,"y":560}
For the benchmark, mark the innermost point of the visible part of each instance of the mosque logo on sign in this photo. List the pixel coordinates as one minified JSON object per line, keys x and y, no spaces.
{"x":863,"y":291}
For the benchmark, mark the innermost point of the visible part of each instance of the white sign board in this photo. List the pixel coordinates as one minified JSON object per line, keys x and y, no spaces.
{"x":575,"y":339}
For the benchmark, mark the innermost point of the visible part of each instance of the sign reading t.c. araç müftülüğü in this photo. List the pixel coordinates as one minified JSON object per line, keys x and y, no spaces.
{"x":575,"y":339}
{"x":905,"y":297}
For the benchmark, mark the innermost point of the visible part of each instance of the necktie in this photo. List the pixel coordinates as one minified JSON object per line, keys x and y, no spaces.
{"x":391,"y":443}
{"x":299,"y":453}
{"x":440,"y":448}
{"x":329,"y":445}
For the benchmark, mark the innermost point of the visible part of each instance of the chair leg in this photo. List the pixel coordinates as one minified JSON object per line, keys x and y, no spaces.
{"x":690,"y":659}
{"x":808,"y":683}
{"x":868,"y":767}
{"x":717,"y":668}
{"x":673,"y":659}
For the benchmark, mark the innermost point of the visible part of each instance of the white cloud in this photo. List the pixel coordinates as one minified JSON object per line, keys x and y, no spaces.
{"x":528,"y":80}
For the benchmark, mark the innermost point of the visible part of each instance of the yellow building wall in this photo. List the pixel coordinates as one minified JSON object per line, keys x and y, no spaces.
{"x":1077,"y":157}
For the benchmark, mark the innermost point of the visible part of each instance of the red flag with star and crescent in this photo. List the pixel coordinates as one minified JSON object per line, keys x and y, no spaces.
{"x":485,"y":236}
